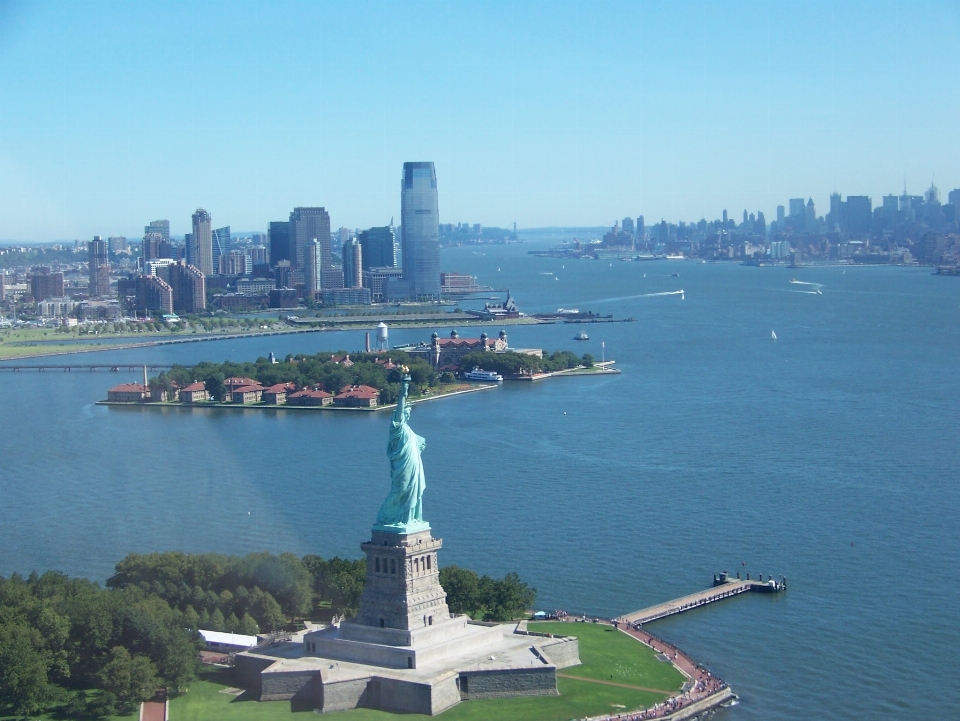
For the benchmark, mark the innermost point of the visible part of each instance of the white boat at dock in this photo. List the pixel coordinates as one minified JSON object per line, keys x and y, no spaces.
{"x":478,"y":374}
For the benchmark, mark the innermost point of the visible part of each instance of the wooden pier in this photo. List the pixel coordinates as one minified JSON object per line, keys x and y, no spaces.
{"x":724,"y":587}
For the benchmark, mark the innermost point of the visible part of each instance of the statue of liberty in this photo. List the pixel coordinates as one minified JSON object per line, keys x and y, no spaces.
{"x":402,"y":511}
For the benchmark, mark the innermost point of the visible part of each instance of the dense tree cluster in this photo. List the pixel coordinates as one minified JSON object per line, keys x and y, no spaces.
{"x":311,"y":370}
{"x":59,"y":635}
{"x":510,"y":363}
{"x":485,"y":598}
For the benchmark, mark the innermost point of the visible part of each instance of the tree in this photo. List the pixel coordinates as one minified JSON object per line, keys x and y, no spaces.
{"x":215,"y":387}
{"x":462,"y":587}
{"x":131,"y":679}
{"x":587,"y":360}
{"x":23,"y":669}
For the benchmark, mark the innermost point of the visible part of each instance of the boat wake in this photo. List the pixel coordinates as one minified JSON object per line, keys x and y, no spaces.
{"x":681,"y":293}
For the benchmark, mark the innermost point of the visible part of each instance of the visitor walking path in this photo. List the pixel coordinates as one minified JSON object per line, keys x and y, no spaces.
{"x":155,"y":709}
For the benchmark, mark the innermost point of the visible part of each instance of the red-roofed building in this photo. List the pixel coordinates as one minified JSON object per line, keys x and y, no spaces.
{"x":310,"y":397}
{"x":194,"y":393}
{"x":128,"y":393}
{"x":387,"y":364}
{"x":357,"y":396}
{"x":233,"y":383}
{"x":247,"y":394}
{"x":342,"y":360}
{"x":277,"y":394}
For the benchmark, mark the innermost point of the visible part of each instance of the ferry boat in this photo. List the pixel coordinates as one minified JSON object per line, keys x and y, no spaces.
{"x":478,"y":374}
{"x":581,"y":336}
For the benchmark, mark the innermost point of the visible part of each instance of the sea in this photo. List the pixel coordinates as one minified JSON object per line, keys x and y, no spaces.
{"x":829,"y":456}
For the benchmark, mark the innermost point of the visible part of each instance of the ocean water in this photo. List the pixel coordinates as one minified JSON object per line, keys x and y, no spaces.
{"x":829,"y":456}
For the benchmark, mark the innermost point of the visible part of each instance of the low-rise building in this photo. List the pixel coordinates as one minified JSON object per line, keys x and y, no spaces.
{"x":310,"y":397}
{"x":357,"y":396}
{"x":247,"y":394}
{"x":276,"y":395}
{"x":235,"y":382}
{"x":128,"y":393}
{"x":194,"y":393}
{"x":226,"y":642}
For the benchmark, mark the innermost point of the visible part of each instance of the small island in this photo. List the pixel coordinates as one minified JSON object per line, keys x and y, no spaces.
{"x":367,"y":381}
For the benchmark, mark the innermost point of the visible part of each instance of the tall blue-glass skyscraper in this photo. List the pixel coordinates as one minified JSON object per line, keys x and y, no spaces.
{"x":420,"y":219}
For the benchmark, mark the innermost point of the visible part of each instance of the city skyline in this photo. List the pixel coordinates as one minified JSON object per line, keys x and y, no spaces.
{"x":530,"y":112}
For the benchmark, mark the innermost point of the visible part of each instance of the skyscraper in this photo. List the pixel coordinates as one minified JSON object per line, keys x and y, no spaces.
{"x":220,"y":245}
{"x":307,"y":224}
{"x":353,"y":264}
{"x":859,"y":214}
{"x":158,"y":226}
{"x":420,"y":220}
{"x":797,"y":208}
{"x":99,"y":268}
{"x":279,"y":239}
{"x":312,"y":268}
{"x":835,"y":218}
{"x":379,"y":247}
{"x":628,"y":226}
{"x":780,"y":216}
{"x":201,"y":243}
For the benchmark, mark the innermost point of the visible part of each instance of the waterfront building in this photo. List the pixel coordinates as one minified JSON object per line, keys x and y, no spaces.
{"x":445,"y":353}
{"x":276,"y":395}
{"x":310,"y":397}
{"x":283,"y":298}
{"x":378,"y":247}
{"x":376,"y":280}
{"x":347,"y":296}
{"x":158,"y":226}
{"x":98,"y":268}
{"x":128,"y":393}
{"x":194,"y":393}
{"x":627,"y":226}
{"x":55,"y":307}
{"x":247,"y":394}
{"x":420,"y":223}
{"x":357,"y":397}
{"x":200,"y":247}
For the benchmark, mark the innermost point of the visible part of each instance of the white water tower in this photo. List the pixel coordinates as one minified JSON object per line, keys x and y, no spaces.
{"x":382,"y":337}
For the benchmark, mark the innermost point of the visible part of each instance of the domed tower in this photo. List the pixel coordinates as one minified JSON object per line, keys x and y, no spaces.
{"x":454,"y":334}
{"x":483,"y":341}
{"x":503,"y":337}
{"x":435,"y":349}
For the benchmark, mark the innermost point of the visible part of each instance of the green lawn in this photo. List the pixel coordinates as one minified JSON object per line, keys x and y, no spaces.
{"x":608,"y":655}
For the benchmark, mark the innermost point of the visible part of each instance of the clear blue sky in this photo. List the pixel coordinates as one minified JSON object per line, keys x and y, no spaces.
{"x":116,"y":113}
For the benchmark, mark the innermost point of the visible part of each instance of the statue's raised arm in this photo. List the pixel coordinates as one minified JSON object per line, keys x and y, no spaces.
{"x":402,"y":511}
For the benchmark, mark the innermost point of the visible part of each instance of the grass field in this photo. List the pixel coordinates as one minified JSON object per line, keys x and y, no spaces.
{"x":608,"y":656}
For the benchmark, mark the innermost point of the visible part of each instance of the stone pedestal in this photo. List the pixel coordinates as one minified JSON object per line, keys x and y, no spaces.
{"x":403,"y":621}
{"x":403,"y":590}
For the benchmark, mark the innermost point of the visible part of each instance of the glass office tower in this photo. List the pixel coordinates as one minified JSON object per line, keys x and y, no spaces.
{"x":420,"y":220}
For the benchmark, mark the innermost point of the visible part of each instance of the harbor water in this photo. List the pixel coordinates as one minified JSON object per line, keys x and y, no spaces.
{"x":829,"y":455}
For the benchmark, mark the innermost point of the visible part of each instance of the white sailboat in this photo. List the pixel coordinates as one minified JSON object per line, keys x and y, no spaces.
{"x":773,"y":335}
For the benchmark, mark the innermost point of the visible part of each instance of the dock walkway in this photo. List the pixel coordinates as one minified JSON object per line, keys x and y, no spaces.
{"x":725,"y":588}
